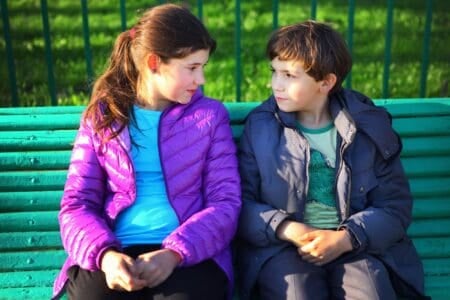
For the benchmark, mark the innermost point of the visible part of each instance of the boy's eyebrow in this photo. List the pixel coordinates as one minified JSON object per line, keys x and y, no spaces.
{"x":284,"y":70}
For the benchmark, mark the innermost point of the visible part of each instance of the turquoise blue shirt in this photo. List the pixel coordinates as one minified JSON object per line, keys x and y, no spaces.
{"x":151,"y":217}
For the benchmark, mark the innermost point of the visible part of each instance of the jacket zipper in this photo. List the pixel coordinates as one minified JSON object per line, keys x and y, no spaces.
{"x":161,"y":161}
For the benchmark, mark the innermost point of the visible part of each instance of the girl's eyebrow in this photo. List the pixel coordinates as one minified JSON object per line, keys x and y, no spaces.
{"x":197,"y":63}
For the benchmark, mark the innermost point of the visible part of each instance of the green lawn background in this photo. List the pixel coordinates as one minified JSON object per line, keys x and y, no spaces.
{"x":219,"y":16}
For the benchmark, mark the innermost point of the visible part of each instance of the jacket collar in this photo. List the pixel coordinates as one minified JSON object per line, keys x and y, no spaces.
{"x":174,"y":111}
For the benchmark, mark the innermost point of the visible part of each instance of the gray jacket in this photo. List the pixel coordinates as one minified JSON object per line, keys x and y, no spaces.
{"x":372,"y":191}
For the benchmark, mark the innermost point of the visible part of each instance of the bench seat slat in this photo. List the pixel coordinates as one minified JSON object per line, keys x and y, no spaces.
{"x":35,"y":160}
{"x":35,"y":240}
{"x":431,"y":208}
{"x":30,"y":201}
{"x":32,"y":260}
{"x":426,"y":166}
{"x":44,"y":239}
{"x":426,"y":146}
{"x":55,"y":179}
{"x":29,"y":221}
{"x":37,"y":292}
{"x":428,"y":228}
{"x":430,"y":187}
{"x":423,"y":126}
{"x":37,"y":140}
{"x":39,"y":283}
{"x":33,"y":180}
{"x":41,"y":122}
{"x":39,"y":110}
{"x":28,"y":279}
{"x":415,"y":107}
{"x":63,"y":140}
{"x":433,"y":247}
{"x":59,"y":160}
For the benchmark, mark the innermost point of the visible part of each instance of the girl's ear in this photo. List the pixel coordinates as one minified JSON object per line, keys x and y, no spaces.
{"x":153,"y":62}
{"x":328,"y":83}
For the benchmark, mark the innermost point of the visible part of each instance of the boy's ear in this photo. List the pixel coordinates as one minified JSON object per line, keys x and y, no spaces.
{"x":328,"y":83}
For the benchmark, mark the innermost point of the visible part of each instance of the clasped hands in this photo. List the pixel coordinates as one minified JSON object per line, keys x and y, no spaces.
{"x":150,"y":269}
{"x":316,"y":246}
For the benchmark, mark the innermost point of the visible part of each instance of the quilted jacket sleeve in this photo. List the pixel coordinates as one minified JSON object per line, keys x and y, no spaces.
{"x":84,"y":231}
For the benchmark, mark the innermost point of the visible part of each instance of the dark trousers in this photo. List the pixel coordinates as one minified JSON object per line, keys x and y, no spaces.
{"x":204,"y":281}
{"x":286,"y":276}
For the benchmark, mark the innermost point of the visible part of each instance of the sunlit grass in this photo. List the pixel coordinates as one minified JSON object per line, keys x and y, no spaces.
{"x":368,"y":48}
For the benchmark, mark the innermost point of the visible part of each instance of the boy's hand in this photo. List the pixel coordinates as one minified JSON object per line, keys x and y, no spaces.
{"x":154,"y":267}
{"x":323,"y":246}
{"x":120,"y":272}
{"x":291,"y":231}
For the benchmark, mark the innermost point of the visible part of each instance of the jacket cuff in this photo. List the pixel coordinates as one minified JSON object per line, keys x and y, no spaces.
{"x":274,"y":222}
{"x":357,"y":237}
{"x":102,"y":251}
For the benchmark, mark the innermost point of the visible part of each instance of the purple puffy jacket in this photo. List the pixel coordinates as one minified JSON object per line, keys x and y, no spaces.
{"x":200,"y":168}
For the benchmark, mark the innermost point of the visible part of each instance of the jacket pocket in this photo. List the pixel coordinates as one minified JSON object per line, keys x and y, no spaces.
{"x":362,"y":183}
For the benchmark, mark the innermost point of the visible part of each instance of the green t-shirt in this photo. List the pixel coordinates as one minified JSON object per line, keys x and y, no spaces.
{"x":320,"y":209}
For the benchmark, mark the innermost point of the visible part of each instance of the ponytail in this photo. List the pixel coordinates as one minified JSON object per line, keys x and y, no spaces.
{"x":114,"y":92}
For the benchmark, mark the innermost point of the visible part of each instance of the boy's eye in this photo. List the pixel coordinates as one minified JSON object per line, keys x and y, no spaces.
{"x":289,"y":75}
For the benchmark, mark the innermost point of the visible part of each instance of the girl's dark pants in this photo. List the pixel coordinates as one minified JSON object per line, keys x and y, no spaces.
{"x":204,"y":281}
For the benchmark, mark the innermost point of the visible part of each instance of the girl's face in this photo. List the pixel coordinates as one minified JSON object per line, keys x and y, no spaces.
{"x":293,"y":88}
{"x":177,"y":80}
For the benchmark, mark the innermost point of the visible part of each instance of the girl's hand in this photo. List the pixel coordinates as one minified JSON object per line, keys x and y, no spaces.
{"x":323,"y":246}
{"x":120,"y":272}
{"x":154,"y":267}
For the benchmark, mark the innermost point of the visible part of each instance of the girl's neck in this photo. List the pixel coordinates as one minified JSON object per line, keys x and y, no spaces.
{"x":152,"y":104}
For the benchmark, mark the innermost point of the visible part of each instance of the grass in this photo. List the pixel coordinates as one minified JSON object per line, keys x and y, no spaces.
{"x":219,"y":16}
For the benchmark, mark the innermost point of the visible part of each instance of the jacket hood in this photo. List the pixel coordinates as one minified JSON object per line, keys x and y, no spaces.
{"x":368,"y":118}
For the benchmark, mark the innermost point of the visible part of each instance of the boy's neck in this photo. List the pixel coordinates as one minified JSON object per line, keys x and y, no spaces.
{"x":317,"y":118}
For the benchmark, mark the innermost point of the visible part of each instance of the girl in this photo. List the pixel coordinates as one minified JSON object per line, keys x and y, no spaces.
{"x":152,"y":195}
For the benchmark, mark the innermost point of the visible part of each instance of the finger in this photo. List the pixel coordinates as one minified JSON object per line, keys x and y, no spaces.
{"x":308,"y":248}
{"x":305,"y":237}
{"x":300,"y":252}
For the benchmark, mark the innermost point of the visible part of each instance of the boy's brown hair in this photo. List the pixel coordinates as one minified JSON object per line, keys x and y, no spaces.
{"x":318,"y":47}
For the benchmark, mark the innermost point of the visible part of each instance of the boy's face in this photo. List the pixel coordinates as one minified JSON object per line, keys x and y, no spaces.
{"x":294,"y":90}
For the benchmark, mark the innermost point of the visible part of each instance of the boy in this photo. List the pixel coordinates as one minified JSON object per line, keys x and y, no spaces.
{"x":326,"y":204}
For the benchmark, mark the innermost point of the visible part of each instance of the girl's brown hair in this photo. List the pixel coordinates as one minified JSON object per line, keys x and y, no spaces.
{"x":169,"y":31}
{"x":319,"y":48}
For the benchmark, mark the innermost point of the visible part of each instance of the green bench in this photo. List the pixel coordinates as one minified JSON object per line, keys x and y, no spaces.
{"x":35,"y":146}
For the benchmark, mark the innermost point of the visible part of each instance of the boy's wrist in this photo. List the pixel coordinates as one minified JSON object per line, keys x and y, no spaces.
{"x":282,"y":230}
{"x":353,"y":242}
